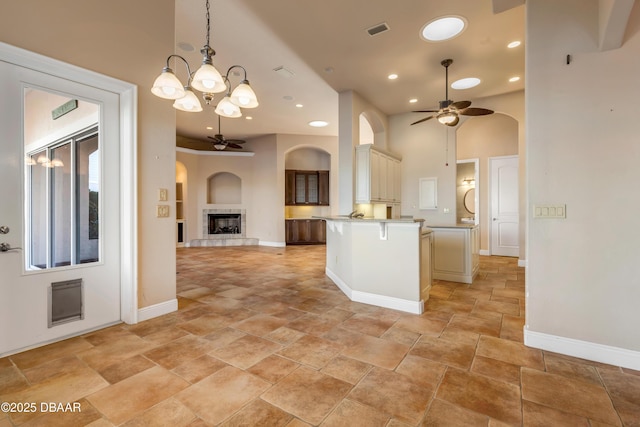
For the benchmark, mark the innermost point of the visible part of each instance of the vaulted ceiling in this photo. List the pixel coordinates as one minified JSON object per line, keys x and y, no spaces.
{"x":326,"y":48}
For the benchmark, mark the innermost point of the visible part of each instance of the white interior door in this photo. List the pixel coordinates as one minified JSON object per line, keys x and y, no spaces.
{"x":504,"y":206}
{"x":59,"y":180}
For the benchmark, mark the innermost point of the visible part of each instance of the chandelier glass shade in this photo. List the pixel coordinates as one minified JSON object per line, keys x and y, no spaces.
{"x":208,"y":80}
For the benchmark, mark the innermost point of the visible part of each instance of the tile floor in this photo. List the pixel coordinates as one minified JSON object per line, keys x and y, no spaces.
{"x":263,"y":338}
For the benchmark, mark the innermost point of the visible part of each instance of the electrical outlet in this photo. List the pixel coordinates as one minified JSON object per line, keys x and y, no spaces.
{"x":446,"y":210}
{"x":162,"y":211}
{"x":163,"y":194}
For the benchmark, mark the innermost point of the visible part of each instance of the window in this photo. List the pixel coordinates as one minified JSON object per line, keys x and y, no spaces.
{"x":63,"y":202}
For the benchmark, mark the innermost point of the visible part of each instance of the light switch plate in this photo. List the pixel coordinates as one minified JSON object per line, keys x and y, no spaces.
{"x":550,"y":211}
{"x":163,"y":194}
{"x":162,"y":211}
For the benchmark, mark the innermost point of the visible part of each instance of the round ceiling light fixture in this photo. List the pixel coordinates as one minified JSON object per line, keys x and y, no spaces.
{"x":514,"y":44}
{"x":514,"y":79}
{"x":467,"y":83}
{"x":318,"y":123}
{"x":443,"y":28}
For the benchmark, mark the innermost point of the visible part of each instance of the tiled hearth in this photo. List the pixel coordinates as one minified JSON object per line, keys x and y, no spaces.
{"x":263,"y":338}
{"x":233,"y":234}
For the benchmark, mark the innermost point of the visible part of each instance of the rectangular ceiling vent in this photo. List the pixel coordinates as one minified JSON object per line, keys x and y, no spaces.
{"x":377,"y":29}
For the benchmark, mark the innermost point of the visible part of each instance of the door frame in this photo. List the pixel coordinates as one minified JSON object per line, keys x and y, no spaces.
{"x":128,"y":95}
{"x":490,"y":197}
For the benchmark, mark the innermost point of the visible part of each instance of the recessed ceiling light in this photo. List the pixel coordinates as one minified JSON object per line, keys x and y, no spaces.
{"x":299,"y":105}
{"x":513,"y":44}
{"x":392,"y":76}
{"x":467,"y":83}
{"x":514,"y":79}
{"x":249,"y":118}
{"x":288,"y":98}
{"x":209,"y":128}
{"x":413,"y":100}
{"x":443,"y":28}
{"x":318,"y":123}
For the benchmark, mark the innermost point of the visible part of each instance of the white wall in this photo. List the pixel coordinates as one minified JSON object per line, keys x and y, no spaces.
{"x":583,"y":276}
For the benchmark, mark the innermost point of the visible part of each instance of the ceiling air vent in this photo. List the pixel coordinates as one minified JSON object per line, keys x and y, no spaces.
{"x":377,"y":29}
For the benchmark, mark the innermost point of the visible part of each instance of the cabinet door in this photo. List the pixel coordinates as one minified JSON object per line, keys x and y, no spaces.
{"x":323,"y":188}
{"x":304,"y":231}
{"x":374,"y":158}
{"x":290,"y":231}
{"x":318,"y":231}
{"x":289,"y":187}
{"x":363,"y":175}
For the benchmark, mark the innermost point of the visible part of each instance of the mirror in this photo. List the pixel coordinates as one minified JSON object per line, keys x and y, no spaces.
{"x":470,"y":201}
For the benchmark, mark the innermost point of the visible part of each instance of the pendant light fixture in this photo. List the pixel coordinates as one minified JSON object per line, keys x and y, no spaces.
{"x":206,"y":80}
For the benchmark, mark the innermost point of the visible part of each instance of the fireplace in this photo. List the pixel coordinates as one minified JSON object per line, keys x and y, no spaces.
{"x":225,"y":224}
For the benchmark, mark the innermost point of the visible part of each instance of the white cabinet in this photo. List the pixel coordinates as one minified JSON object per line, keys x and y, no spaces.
{"x":455,"y":253}
{"x":377,"y":175}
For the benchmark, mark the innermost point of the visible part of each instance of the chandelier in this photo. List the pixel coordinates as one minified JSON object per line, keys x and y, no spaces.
{"x":206,"y":80}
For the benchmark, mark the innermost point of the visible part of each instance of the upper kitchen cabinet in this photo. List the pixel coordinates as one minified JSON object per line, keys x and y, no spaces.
{"x":377,"y":175}
{"x":306,"y":187}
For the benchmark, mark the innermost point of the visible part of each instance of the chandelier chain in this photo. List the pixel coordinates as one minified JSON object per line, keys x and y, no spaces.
{"x":208,"y":24}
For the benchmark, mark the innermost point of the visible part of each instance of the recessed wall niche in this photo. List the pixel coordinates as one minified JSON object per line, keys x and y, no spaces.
{"x":224,"y":188}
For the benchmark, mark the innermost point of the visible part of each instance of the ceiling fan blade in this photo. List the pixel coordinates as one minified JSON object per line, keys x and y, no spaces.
{"x":233,"y":145}
{"x":422,"y":120}
{"x":461,"y":104}
{"x":236,"y":141}
{"x":476,"y":111}
{"x":215,"y":138}
{"x":425,"y":111}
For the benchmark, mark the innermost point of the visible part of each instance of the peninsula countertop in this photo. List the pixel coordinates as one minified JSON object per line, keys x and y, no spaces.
{"x":457,"y":225}
{"x":346,"y":218}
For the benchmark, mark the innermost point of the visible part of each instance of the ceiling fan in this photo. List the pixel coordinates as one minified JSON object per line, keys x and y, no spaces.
{"x":450,"y":112}
{"x":220,"y":143}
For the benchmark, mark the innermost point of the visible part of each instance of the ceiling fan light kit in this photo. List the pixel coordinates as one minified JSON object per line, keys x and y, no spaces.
{"x":207,"y":80}
{"x":221,"y":143}
{"x":449,"y":112}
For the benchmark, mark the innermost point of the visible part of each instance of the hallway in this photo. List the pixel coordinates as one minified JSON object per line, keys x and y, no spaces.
{"x":263,"y":338}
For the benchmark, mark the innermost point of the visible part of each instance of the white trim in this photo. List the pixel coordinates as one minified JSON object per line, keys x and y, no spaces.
{"x":522,"y":263}
{"x":414,"y":307}
{"x":273,"y":244}
{"x":157,"y":310}
{"x":484,"y":252}
{"x":585,"y":350}
{"x":216,"y":153}
{"x":128,"y":166}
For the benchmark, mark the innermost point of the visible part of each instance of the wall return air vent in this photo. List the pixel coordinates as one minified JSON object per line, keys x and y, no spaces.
{"x":377,"y":29}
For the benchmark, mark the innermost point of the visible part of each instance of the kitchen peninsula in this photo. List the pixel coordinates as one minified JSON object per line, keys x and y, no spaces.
{"x":383,"y":262}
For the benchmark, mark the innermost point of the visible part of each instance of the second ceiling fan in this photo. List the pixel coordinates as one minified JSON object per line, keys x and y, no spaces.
{"x":449,"y":112}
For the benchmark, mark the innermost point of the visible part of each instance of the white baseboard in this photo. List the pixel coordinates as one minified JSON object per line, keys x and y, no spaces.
{"x":522,"y":263}
{"x":272,"y":244}
{"x":484,"y":252}
{"x":414,"y":307}
{"x":585,"y":350}
{"x":156,"y":310}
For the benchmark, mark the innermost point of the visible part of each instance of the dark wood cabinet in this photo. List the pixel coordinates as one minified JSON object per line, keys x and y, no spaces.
{"x":305,"y":231}
{"x":306,"y":187}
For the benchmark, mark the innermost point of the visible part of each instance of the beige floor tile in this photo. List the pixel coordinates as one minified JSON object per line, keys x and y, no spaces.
{"x":273,"y":368}
{"x":448,"y":352}
{"x":348,"y":412}
{"x":421,"y":370}
{"x":259,"y":413}
{"x":442,"y":413}
{"x":535,"y":415}
{"x":260,"y":324}
{"x":310,"y":350}
{"x":169,"y":412}
{"x":126,"y":346}
{"x":12,"y":380}
{"x":346,"y":369}
{"x":307,"y":394}
{"x":624,"y":390}
{"x":126,"y":368}
{"x":131,"y":397}
{"x":31,"y":358}
{"x":401,"y":336}
{"x":285,"y":335}
{"x":510,"y":352}
{"x":246,"y":351}
{"x":366,"y":324}
{"x":393,"y":394}
{"x":421,"y":325}
{"x":568,"y":395}
{"x":177,"y":352}
{"x":81,"y":414}
{"x":377,"y":351}
{"x":496,"y":369}
{"x":495,"y":399}
{"x":485,"y":325}
{"x":197,"y":369}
